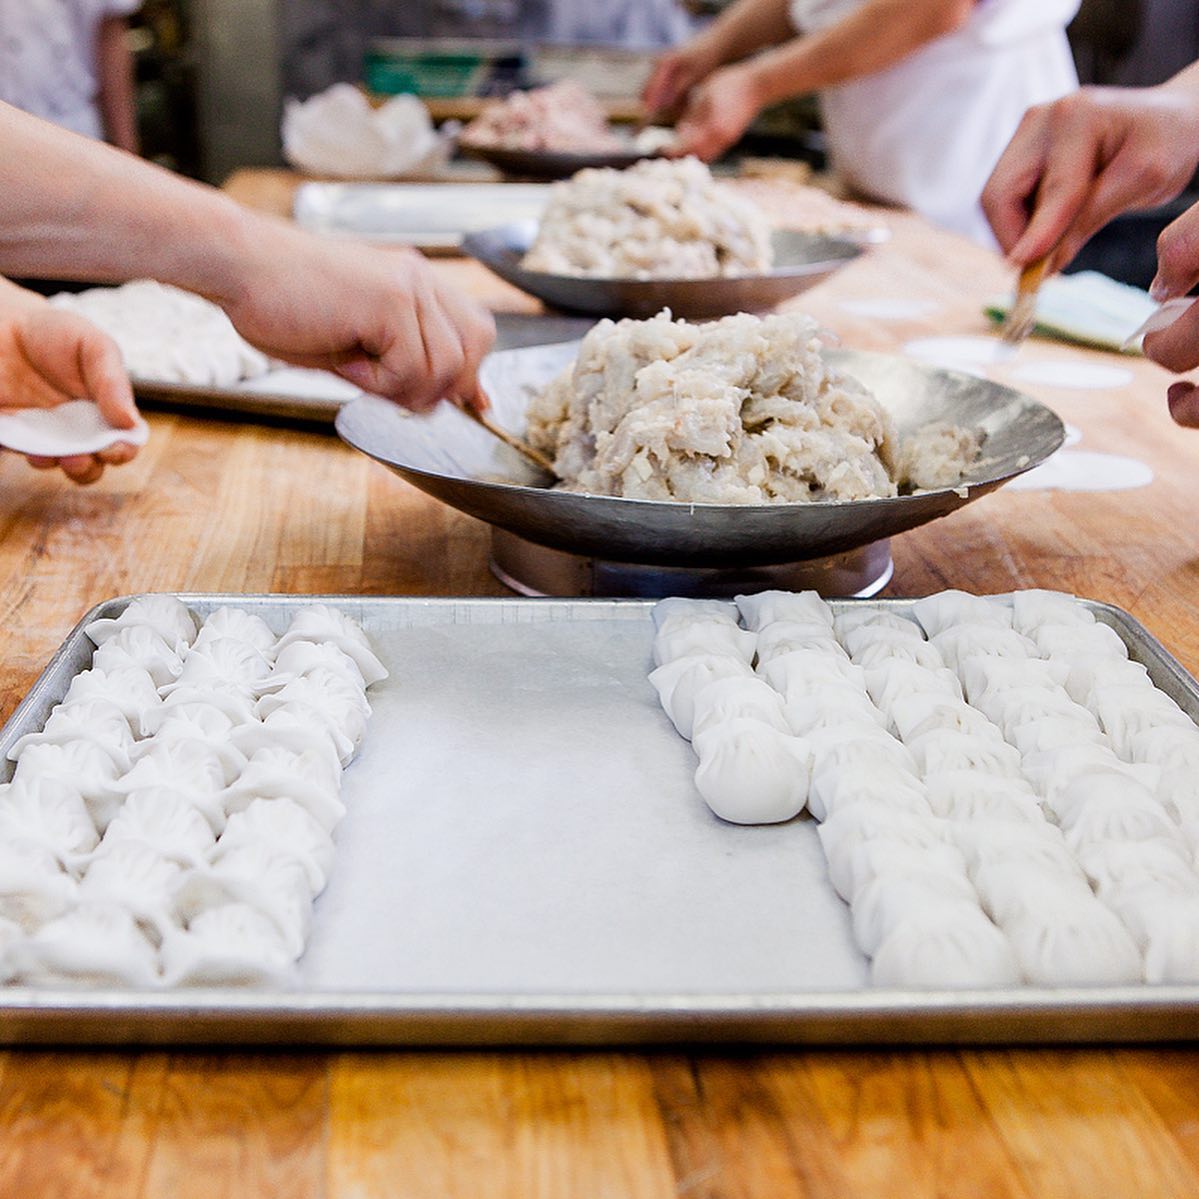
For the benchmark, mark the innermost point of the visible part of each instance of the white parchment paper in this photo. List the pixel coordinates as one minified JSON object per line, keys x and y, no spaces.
{"x":522,"y":819}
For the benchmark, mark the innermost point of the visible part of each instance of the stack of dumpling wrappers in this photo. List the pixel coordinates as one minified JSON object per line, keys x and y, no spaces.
{"x":1004,"y":797}
{"x":172,"y":823}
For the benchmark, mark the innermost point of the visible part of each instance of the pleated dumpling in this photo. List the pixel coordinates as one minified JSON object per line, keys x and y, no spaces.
{"x":225,"y":662}
{"x":833,"y":704}
{"x":1082,"y":944}
{"x":853,"y":824}
{"x":233,"y":943}
{"x":272,"y":883}
{"x":750,"y":773}
{"x":136,"y":877}
{"x":968,"y":795}
{"x":675,"y":610}
{"x":1017,"y":706}
{"x":193,"y":725}
{"x":890,"y":645}
{"x":924,"y":712}
{"x":800,"y":673}
{"x":142,"y":648}
{"x":854,"y":616}
{"x":942,"y":750}
{"x":984,"y":676}
{"x":679,"y":682}
{"x":1128,"y":712}
{"x":321,"y":622}
{"x":91,"y":945}
{"x":301,"y":658}
{"x":766,"y":607}
{"x":34,"y":887}
{"x":856,"y":641}
{"x":888,"y":900}
{"x":11,"y":934}
{"x":954,"y":947}
{"x":130,"y":689}
{"x":165,"y":821}
{"x":296,"y":727}
{"x":1085,"y":674}
{"x":83,"y":766}
{"x":1093,"y":640}
{"x":1031,"y":609}
{"x":1116,"y":866}
{"x":1165,"y":929}
{"x":894,"y":681}
{"x":836,"y":786}
{"x":858,"y":863}
{"x":238,"y":703}
{"x":238,"y":625}
{"x":1056,"y":732}
{"x":861,"y":744}
{"x":787,"y":636}
{"x":189,"y":765}
{"x":303,"y":776}
{"x":1020,"y":890}
{"x":288,"y":828}
{"x":164,"y":615}
{"x":49,"y":813}
{"x":961,"y":642}
{"x":936,"y":613}
{"x":97,"y":721}
{"x":729,"y":699}
{"x":704,"y":636}
{"x":984,"y":841}
{"x":1170,"y":746}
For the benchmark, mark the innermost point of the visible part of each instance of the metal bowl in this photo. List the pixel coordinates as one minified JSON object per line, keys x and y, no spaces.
{"x":450,"y":457}
{"x":801,"y":261}
{"x":550,"y":164}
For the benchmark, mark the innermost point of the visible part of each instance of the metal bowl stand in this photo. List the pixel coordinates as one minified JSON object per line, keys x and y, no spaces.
{"x":536,"y":570}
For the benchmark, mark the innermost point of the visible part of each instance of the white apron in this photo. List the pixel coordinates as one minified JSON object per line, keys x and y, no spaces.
{"x":48,"y":58}
{"x":926,"y":132}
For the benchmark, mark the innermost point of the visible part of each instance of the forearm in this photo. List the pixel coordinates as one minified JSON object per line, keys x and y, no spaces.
{"x":746,"y":27}
{"x":871,"y":39}
{"x":118,"y":110}
{"x":74,"y":208}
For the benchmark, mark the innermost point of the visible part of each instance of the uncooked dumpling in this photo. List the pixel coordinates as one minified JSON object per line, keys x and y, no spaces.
{"x":238,"y":624}
{"x":767,"y":607}
{"x":233,"y":943}
{"x":953,"y":948}
{"x":130,"y":689}
{"x":323,"y":623}
{"x":679,"y":682}
{"x":1082,"y":945}
{"x":164,"y":615}
{"x":750,"y":773}
{"x":936,"y":613}
{"x":728,"y":699}
{"x":97,"y":945}
{"x":139,"y":647}
{"x":286,"y":827}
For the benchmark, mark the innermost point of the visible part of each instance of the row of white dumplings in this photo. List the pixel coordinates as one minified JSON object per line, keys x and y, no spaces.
{"x":1004,"y":796}
{"x":172,"y":822}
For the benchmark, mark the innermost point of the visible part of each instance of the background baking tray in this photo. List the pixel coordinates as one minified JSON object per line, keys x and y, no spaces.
{"x":316,"y":397}
{"x":432,"y":216}
{"x":525,"y":861}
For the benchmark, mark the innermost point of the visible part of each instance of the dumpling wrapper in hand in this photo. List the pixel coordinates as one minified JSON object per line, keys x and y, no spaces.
{"x":75,"y":427}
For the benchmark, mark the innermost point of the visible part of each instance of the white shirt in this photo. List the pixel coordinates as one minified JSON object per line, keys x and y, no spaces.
{"x":926,"y":132}
{"x":48,"y":58}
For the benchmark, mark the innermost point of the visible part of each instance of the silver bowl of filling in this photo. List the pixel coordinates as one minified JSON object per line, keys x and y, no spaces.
{"x":890,"y":444}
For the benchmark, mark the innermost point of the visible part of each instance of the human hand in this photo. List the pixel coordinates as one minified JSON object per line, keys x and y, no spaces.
{"x":718,"y":112}
{"x":1177,"y":346}
{"x":674,"y":75}
{"x":383,"y":319}
{"x":48,"y":357}
{"x":1075,"y":164}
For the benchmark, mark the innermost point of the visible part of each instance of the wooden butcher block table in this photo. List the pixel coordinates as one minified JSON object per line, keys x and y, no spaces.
{"x":221,"y":505}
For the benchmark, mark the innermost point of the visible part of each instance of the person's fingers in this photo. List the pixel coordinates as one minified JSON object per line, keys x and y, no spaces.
{"x":81,"y":468}
{"x":1177,"y":257}
{"x":118,"y":455}
{"x":1183,"y":399}
{"x":106,"y":382}
{"x":40,"y":463}
{"x":1071,"y":164}
{"x":1006,"y":198}
{"x":1176,"y":347}
{"x":660,"y":92}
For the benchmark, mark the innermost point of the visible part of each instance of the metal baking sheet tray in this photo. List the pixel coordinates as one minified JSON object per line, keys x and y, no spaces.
{"x":296,"y":394}
{"x":525,"y":861}
{"x":431,"y":216}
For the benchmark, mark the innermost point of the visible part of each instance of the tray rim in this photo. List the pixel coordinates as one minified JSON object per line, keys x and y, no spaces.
{"x":208,"y":1016}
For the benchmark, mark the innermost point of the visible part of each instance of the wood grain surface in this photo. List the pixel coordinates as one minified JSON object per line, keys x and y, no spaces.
{"x":216,"y":504}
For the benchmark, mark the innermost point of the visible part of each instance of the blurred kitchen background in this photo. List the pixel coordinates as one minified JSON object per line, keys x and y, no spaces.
{"x":212,"y":74}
